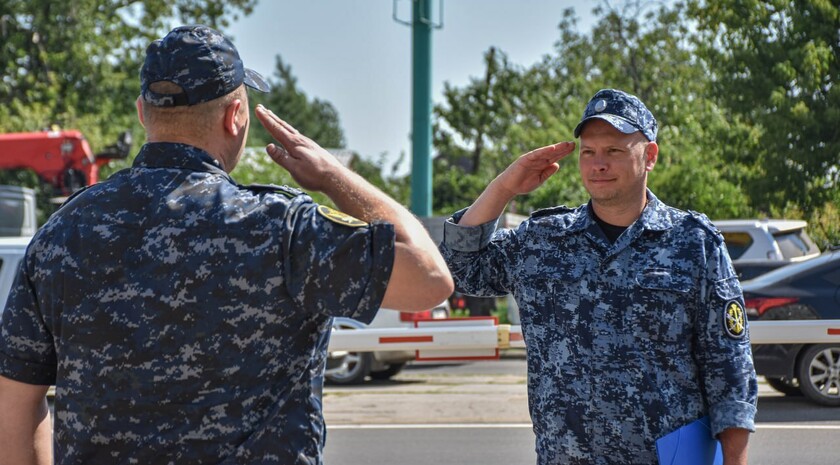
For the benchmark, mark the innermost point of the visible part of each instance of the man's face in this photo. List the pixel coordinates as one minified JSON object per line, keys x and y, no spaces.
{"x":614,"y":165}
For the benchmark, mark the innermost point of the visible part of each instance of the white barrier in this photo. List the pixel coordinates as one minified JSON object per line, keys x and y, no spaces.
{"x":795,"y":332}
{"x":447,"y":342}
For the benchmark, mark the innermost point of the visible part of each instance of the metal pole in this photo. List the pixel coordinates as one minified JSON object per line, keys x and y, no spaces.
{"x":421,"y":115}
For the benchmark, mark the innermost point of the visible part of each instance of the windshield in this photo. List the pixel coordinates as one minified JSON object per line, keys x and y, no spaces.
{"x":780,"y":274}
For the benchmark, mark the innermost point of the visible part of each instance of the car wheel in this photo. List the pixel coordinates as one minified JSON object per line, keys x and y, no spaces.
{"x":389,"y":372}
{"x":785,"y":385}
{"x":819,"y":374}
{"x":353,"y":368}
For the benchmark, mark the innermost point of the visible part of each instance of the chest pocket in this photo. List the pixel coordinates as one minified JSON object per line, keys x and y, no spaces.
{"x":660,"y":310}
{"x":551,"y":297}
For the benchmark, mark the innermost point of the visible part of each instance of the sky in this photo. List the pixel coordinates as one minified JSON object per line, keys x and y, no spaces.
{"x":353,"y":54}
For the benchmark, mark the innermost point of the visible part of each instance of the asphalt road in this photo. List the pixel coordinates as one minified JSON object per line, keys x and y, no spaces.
{"x":464,"y":445}
{"x":791,"y":430}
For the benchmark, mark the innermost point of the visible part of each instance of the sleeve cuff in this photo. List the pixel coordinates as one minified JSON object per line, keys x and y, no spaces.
{"x":467,"y":238}
{"x":732,"y":414}
{"x":382,"y":263}
{"x":27,"y":372}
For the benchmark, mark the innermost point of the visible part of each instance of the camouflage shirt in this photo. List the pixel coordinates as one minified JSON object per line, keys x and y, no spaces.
{"x":183,"y":317}
{"x":626,"y":341}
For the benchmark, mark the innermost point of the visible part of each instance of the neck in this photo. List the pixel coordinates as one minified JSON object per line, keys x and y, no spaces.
{"x":207,"y":145}
{"x":623,"y":214}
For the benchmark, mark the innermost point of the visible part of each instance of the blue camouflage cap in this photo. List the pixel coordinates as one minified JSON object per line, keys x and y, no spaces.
{"x":200,"y":60}
{"x":624,"y":111}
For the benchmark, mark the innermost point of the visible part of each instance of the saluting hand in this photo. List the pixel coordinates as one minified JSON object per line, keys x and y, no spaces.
{"x":531,"y":170}
{"x":311,"y":166}
{"x":527,"y":173}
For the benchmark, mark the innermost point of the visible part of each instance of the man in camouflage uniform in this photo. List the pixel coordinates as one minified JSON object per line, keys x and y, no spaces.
{"x":183,"y":318}
{"x":631,"y":311}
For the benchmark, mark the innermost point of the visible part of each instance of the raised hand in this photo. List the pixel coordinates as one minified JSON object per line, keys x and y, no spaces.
{"x":532,"y":169}
{"x":312,"y":167}
{"x":523,"y":175}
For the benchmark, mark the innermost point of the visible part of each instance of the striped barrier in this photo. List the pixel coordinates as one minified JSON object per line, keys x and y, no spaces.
{"x":481,"y":339}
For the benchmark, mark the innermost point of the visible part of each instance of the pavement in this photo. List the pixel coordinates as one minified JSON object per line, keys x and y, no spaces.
{"x":433,"y":395}
{"x":479,"y":392}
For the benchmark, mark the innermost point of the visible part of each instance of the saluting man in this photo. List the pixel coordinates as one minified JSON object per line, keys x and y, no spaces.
{"x":182,"y":317}
{"x":631,"y":311}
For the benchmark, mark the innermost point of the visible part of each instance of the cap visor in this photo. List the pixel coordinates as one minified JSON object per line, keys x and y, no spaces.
{"x":616,"y":121}
{"x":254,"y":80}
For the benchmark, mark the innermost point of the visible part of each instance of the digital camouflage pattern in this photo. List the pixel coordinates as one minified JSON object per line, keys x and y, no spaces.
{"x":184,"y":318}
{"x":199,"y":59}
{"x":626,"y":341}
{"x":622,"y":110}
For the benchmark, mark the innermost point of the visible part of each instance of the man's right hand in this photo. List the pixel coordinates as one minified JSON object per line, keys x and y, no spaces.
{"x":531,"y":170}
{"x":420,"y":279}
{"x":524,"y":175}
{"x":311,"y":166}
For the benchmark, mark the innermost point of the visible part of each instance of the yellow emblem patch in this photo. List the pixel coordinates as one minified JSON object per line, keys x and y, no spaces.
{"x":734,"y":320}
{"x":340,"y":217}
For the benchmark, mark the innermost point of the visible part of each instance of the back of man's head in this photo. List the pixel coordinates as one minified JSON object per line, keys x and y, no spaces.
{"x":189,"y":76}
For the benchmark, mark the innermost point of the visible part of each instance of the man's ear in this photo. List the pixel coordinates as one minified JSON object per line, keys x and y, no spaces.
{"x":139,"y":104}
{"x":232,"y":120}
{"x":651,"y":155}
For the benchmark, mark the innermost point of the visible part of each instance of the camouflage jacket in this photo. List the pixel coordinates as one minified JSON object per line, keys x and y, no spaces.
{"x":626,"y":341}
{"x":183,"y":318}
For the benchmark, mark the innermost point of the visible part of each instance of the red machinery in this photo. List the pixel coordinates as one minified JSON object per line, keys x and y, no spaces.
{"x":62,"y":159}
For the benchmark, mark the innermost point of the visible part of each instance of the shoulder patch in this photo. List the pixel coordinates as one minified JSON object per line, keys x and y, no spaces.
{"x":287,"y":191}
{"x":734,"y":319}
{"x":340,"y":217}
{"x":551,"y":211}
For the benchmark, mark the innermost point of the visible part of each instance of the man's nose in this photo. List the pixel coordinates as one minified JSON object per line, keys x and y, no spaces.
{"x":599,"y":162}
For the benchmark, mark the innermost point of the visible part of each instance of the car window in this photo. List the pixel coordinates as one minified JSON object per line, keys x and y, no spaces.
{"x":737,"y":243}
{"x":792,"y":244}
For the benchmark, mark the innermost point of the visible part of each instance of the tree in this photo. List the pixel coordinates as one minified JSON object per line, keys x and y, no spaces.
{"x":76,"y":64}
{"x":511,"y":110}
{"x":316,"y":118}
{"x":776,"y":65}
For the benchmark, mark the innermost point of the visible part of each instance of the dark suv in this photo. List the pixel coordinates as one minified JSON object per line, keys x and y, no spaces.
{"x":806,"y":290}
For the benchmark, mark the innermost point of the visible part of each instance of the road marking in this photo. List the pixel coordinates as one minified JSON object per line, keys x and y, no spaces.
{"x":529,"y":426}
{"x":432,"y":426}
{"x":795,"y":426}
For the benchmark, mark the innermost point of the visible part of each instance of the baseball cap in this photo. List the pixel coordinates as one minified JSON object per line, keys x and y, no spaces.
{"x":624,"y":111}
{"x":200,"y":60}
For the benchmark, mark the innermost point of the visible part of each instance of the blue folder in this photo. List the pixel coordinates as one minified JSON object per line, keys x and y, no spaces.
{"x":693,"y":444}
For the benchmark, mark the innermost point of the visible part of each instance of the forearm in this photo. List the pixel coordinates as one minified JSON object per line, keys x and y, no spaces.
{"x":25,"y":425}
{"x":420,"y":278}
{"x":734,"y":444}
{"x":489,"y":205}
{"x":353,"y":195}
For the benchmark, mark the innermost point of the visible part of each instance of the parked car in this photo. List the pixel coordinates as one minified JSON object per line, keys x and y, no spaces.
{"x":354,"y":367}
{"x":758,"y":246}
{"x":11,"y":253}
{"x":806,"y":290}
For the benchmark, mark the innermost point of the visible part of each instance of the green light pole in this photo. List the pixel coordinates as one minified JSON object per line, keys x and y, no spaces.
{"x":421,"y":108}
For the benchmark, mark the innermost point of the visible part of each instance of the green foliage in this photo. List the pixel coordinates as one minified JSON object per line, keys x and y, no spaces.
{"x":316,"y":118}
{"x":776,"y":66}
{"x":482,"y":127}
{"x":746,"y":94}
{"x":76,"y":64}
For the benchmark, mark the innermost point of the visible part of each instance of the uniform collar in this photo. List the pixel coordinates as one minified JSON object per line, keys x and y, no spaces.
{"x":654,"y":217}
{"x":178,"y":156}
